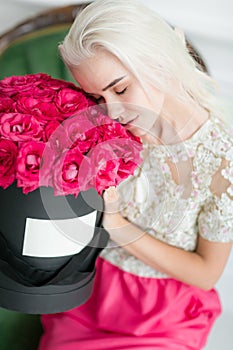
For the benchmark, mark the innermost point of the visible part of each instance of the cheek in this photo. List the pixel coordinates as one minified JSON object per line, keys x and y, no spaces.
{"x":157,"y":101}
{"x":153,"y":100}
{"x":140,"y":99}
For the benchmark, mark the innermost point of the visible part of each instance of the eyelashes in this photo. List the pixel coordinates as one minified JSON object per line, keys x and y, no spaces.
{"x":101,"y":99}
{"x":122,"y":91}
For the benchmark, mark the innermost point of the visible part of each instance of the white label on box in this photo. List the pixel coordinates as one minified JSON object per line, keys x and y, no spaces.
{"x":54,"y":238}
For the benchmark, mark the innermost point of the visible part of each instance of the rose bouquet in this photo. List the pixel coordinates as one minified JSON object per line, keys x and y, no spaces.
{"x":52,"y":134}
{"x":58,"y":152}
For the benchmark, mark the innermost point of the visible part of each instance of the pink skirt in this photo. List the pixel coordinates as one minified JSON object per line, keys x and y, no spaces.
{"x":127,"y":312}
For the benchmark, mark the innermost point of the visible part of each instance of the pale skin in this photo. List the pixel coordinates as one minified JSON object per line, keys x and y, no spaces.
{"x":105,"y":78}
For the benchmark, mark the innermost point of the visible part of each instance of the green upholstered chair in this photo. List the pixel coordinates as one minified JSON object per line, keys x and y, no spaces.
{"x":19,"y":331}
{"x":31,"y":47}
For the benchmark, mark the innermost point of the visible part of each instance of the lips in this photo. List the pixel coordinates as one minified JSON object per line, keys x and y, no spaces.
{"x":130,"y":122}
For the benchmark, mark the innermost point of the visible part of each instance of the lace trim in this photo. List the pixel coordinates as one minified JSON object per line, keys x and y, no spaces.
{"x":155,"y":202}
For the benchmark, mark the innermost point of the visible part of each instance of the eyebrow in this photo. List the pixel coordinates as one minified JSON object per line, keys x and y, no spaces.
{"x":114,"y":82}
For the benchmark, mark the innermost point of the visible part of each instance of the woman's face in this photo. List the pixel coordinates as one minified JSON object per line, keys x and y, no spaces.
{"x":108,"y":81}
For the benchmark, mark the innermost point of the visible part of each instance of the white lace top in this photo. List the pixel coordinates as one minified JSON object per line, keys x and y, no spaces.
{"x":179,"y":192}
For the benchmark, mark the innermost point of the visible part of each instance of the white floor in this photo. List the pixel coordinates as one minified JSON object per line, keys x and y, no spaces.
{"x":221,"y":337}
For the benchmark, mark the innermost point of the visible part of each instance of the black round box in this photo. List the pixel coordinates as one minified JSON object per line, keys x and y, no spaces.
{"x":44,"y":284}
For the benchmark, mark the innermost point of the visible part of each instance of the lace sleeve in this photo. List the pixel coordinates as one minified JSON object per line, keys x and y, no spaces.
{"x":215,"y":221}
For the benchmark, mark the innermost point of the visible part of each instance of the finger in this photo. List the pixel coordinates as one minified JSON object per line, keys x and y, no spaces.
{"x":111,"y":194}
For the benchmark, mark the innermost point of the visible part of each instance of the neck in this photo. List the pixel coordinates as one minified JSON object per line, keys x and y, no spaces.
{"x":178,"y":121}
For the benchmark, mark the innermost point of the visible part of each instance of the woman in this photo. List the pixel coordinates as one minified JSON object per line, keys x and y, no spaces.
{"x":171,"y":224}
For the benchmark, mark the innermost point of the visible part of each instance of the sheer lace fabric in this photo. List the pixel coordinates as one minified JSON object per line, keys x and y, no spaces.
{"x":179,"y":192}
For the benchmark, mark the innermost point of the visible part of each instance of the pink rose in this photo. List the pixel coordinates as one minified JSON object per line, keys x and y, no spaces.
{"x":49,"y":129}
{"x":81,"y":132}
{"x":126,"y":149}
{"x":66,"y":173}
{"x":106,"y":175}
{"x":42,"y":95}
{"x":56,"y":84}
{"x":5,"y":104}
{"x":128,"y":153}
{"x":69,"y":101}
{"x":97,"y":116}
{"x":125,"y":169}
{"x":20,"y":127}
{"x":91,"y":102}
{"x":34,"y":166}
{"x":113,"y":161}
{"x":42,"y":111}
{"x":104,"y":166}
{"x":113,"y":130}
{"x":8,"y":153}
{"x":57,"y":137}
{"x":16,"y":84}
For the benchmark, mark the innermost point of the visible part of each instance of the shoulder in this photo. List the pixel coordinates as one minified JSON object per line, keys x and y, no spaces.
{"x":219,"y":146}
{"x":219,"y":138}
{"x":216,"y":151}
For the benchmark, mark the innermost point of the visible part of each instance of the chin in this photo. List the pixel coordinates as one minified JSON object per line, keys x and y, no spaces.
{"x":139,"y":132}
{"x":136,"y":130}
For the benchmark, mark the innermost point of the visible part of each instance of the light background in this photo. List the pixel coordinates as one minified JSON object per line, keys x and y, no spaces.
{"x":208,"y":24}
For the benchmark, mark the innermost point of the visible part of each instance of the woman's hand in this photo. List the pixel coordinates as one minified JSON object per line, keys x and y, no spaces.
{"x":199,"y":268}
{"x":112,"y":218}
{"x":111,"y":200}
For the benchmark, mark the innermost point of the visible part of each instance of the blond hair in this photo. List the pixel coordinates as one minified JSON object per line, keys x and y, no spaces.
{"x":145,"y":44}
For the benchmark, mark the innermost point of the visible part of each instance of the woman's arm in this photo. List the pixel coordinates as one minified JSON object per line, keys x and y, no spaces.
{"x":201,"y":268}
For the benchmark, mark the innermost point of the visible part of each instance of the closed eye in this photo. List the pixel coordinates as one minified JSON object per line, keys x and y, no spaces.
{"x":121,"y":92}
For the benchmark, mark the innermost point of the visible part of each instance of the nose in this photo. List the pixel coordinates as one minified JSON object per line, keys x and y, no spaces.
{"x":115,"y":111}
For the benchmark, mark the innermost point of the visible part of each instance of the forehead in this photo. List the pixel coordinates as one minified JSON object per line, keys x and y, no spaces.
{"x":98,"y":71}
